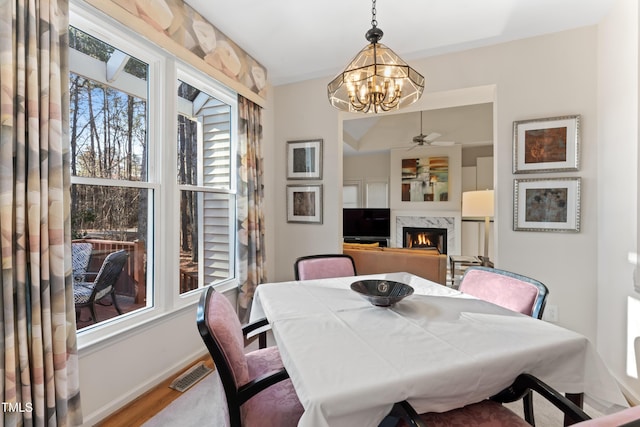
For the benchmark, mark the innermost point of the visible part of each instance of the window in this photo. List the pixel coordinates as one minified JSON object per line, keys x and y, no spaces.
{"x":161,"y":189}
{"x":204,"y":179}
{"x":377,"y":193}
{"x":351,"y":194}
{"x":111,"y":193}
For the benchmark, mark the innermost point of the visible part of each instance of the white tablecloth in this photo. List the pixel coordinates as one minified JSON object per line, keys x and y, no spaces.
{"x":350,"y":361}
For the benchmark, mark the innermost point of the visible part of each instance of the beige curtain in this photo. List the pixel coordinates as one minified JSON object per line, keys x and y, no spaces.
{"x":251,"y":224}
{"x":39,"y":362}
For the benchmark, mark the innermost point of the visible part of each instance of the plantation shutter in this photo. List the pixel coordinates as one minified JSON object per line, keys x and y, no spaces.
{"x":216,"y":173}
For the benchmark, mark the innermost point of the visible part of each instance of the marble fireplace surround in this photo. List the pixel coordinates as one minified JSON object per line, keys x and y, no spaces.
{"x":450,"y":220}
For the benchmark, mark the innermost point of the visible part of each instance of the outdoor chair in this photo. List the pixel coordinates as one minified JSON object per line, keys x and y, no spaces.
{"x":510,"y":290}
{"x":257,"y":387}
{"x":87,"y":294}
{"x":324,"y":266}
{"x":80,"y":257}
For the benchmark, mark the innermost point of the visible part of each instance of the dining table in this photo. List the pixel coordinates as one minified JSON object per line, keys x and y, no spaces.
{"x":350,"y":361}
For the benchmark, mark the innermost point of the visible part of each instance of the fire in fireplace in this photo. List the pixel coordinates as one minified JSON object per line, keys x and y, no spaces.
{"x":424,"y":238}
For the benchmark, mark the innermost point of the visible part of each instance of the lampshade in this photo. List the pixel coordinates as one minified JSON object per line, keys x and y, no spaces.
{"x":376,"y":80}
{"x":477,"y":203}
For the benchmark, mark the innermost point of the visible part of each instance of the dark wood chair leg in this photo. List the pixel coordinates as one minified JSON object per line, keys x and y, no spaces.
{"x":262,"y":340}
{"x":578,"y":399}
{"x":527,"y":401}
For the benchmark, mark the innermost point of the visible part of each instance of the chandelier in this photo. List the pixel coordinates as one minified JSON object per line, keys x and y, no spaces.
{"x":376,"y":80}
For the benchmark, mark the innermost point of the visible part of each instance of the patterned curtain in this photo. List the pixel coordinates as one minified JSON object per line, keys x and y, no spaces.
{"x":250,"y":204}
{"x":38,"y":353}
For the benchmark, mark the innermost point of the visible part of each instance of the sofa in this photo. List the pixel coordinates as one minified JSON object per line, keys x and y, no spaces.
{"x":426,"y":263}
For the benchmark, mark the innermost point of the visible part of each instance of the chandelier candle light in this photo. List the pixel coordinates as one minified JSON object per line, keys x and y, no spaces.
{"x":376,"y":80}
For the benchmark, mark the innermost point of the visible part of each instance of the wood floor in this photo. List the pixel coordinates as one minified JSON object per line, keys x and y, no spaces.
{"x":146,"y":406}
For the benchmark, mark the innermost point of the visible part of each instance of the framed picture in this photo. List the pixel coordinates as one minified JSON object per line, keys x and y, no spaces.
{"x":425,"y":179}
{"x":546,"y":204}
{"x":304,"y":159}
{"x":546,"y":145}
{"x":304,"y":203}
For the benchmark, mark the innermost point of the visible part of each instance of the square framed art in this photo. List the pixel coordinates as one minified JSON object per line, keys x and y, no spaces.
{"x":546,"y":204}
{"x":304,"y":203}
{"x":546,"y":145}
{"x":304,"y":159}
{"x":425,"y":179}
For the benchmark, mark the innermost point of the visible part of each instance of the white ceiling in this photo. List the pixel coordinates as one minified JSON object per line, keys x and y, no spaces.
{"x":470,"y":125}
{"x":298,"y":40}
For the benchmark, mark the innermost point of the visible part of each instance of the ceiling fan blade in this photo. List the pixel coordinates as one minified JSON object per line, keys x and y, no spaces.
{"x":443,"y":143}
{"x":432,"y":136}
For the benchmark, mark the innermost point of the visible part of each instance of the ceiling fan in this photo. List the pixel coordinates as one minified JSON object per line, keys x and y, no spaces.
{"x":429,"y":139}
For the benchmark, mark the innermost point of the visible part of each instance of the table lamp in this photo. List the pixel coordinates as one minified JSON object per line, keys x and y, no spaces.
{"x":480,"y":204}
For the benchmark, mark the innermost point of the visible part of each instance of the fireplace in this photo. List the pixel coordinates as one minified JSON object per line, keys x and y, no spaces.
{"x":425,"y":238}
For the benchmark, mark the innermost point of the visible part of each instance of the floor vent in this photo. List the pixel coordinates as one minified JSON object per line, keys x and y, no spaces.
{"x":190,"y":377}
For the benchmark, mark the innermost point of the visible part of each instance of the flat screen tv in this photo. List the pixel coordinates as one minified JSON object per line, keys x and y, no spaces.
{"x":366,"y":222}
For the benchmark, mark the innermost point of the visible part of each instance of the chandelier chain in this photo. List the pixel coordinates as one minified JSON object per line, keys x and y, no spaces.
{"x":374,"y":22}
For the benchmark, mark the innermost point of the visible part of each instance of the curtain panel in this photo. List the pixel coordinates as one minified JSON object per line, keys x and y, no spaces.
{"x":251,"y":225}
{"x":38,"y":359}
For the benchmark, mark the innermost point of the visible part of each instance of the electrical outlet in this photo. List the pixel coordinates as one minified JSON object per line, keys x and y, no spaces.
{"x":550,"y":313}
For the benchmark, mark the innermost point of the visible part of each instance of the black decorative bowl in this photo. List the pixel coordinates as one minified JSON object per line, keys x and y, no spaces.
{"x":383,"y":293}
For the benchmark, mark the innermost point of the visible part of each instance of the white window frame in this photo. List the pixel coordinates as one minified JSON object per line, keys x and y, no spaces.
{"x":204,"y":83}
{"x":162,"y":251}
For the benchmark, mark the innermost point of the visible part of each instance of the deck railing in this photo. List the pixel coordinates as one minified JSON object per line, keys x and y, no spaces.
{"x":132,"y":281}
{"x":188,"y":281}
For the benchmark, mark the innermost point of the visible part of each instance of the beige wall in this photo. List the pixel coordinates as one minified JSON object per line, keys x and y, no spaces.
{"x":366,"y":166}
{"x":591,"y":71}
{"x":303,"y":112}
{"x":618,"y":309}
{"x":538,"y":77}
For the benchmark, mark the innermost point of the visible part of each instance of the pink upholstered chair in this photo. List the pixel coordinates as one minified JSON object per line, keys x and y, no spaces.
{"x":491,"y":412}
{"x":486,"y":414}
{"x":324,"y":266}
{"x":510,"y":290}
{"x":258,"y":390}
{"x":627,"y":418}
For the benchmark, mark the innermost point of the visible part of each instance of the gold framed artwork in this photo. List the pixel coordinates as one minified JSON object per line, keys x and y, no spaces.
{"x":304,"y":203}
{"x":546,"y":204}
{"x":546,"y":145}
